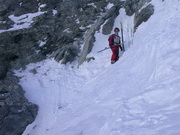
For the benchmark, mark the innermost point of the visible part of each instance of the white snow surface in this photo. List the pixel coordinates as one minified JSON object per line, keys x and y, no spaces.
{"x":54,"y":12}
{"x":92,"y":4}
{"x":138,"y":95}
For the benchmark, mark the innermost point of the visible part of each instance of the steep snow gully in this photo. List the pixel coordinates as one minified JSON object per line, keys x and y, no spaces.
{"x":138,"y":95}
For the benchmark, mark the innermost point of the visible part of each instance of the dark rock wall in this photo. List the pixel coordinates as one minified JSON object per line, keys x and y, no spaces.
{"x":142,"y":10}
{"x":15,"y":111}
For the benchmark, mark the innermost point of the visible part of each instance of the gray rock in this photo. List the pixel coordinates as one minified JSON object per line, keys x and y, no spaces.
{"x":7,"y":7}
{"x":33,"y":71}
{"x":143,"y":15}
{"x":26,"y":6}
{"x":5,"y":60}
{"x":141,"y":9}
{"x":5,"y":23}
{"x":3,"y":70}
{"x":108,"y":26}
{"x":133,"y":6}
{"x":67,"y":53}
{"x":89,"y":59}
{"x":16,"y":112}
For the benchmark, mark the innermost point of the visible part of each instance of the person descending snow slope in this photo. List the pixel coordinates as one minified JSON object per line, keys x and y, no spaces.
{"x":115,"y":44}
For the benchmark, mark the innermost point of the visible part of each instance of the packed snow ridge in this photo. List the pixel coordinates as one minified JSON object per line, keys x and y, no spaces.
{"x":138,"y":95}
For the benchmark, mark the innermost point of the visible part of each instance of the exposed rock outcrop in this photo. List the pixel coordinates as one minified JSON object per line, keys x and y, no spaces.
{"x":142,"y":9}
{"x":16,"y":112}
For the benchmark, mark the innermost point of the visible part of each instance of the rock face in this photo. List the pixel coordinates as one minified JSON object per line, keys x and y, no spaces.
{"x":5,"y":60}
{"x":143,"y":15}
{"x":142,"y":10}
{"x":50,"y":28}
{"x":15,"y":111}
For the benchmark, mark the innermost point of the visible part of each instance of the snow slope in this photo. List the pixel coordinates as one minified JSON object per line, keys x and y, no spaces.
{"x":138,"y":95}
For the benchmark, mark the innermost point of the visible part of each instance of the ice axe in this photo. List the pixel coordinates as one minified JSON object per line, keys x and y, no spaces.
{"x":103,"y":49}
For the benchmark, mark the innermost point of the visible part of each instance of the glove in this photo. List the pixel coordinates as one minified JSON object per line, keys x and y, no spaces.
{"x":120,"y":47}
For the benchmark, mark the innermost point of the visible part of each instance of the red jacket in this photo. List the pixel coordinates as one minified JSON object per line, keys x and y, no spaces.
{"x":111,"y":41}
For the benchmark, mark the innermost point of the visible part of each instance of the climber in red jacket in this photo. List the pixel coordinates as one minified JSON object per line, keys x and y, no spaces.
{"x":115,"y":44}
